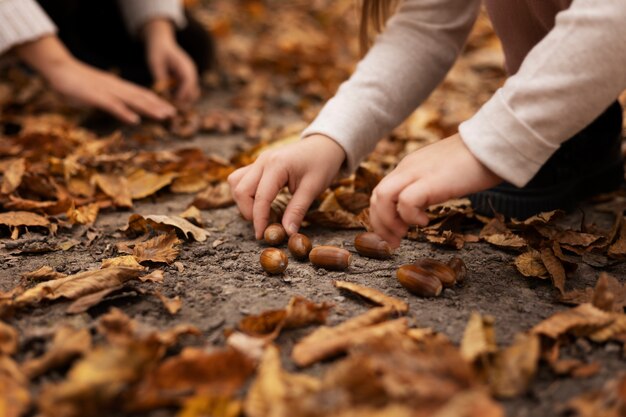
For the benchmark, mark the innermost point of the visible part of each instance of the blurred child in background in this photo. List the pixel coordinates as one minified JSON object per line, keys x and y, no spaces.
{"x":72,"y":43}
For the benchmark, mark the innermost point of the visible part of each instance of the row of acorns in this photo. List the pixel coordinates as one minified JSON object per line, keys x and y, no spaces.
{"x":424,"y":277}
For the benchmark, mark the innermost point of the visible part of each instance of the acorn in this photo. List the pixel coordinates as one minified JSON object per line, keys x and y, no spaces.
{"x":419,"y":281}
{"x":275,"y":234}
{"x":371,"y":245}
{"x":300,"y":246}
{"x":330,"y":257}
{"x":274,"y":261}
{"x":439,"y":270}
{"x":459,"y":268}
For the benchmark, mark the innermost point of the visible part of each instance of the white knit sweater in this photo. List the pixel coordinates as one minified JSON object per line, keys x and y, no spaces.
{"x":567,"y":78}
{"x":24,"y":20}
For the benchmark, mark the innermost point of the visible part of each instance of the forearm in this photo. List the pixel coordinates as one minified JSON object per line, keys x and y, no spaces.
{"x":405,"y":64}
{"x":565,"y":82}
{"x":44,"y":54}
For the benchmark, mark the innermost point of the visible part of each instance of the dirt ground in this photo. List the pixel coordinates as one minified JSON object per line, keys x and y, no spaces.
{"x":222,"y":281}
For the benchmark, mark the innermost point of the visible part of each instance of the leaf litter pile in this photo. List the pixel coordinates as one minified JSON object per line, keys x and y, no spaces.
{"x":348,"y":349}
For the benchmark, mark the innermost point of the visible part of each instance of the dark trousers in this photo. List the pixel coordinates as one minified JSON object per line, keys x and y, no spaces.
{"x":94,"y":31}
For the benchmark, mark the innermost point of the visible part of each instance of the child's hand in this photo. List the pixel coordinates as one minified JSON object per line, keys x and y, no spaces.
{"x":306,"y":167}
{"x":165,"y":57}
{"x":90,"y":86}
{"x":432,"y":175}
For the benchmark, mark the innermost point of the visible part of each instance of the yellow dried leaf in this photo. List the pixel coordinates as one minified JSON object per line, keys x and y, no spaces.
{"x":143,"y":183}
{"x":127,"y":261}
{"x":83,"y":215}
{"x":555,"y":268}
{"x":172,"y":305}
{"x":12,"y":175}
{"x":479,"y":338}
{"x":374,"y":295}
{"x":14,"y":394}
{"x":116,"y":187}
{"x":8,"y":339}
{"x":23,"y":218}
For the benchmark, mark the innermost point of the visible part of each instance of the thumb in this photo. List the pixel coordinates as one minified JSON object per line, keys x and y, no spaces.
{"x":298,"y":206}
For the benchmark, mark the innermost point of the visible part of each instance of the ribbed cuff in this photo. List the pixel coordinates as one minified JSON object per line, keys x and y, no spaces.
{"x":335,"y":125}
{"x":504,"y":143}
{"x":138,"y":12}
{"x":22,"y":21}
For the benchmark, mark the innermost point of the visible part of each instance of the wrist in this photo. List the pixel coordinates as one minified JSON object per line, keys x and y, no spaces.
{"x":45,"y":55}
{"x":158,"y":30}
{"x":333,"y":151}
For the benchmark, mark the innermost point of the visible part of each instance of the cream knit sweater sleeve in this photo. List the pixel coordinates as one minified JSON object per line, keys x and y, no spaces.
{"x":138,"y":12}
{"x":564,"y":83}
{"x":407,"y":61}
{"x":22,"y":21}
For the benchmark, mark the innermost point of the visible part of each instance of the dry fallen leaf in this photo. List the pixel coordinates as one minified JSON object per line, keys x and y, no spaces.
{"x":496,"y":233}
{"x":83,"y":215}
{"x":172,"y":305}
{"x":8,"y":339}
{"x":610,"y":401}
{"x":555,"y":268}
{"x":512,"y":370}
{"x":300,"y":312}
{"x":326,"y":343}
{"x":127,"y":261}
{"x":139,"y":225}
{"x":161,"y":249}
{"x":221,"y":372}
{"x":14,"y":394}
{"x":214,"y":197}
{"x":142,"y":183}
{"x":479,"y":339}
{"x":374,"y":295}
{"x":12,"y":175}
{"x":274,"y":392}
{"x":609,"y":294}
{"x":45,"y":273}
{"x":116,"y":187}
{"x":530,"y":264}
{"x":79,"y":285}
{"x":68,"y":344}
{"x":579,"y":321}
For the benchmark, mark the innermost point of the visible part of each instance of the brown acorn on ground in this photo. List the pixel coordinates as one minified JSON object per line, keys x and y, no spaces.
{"x":275,"y":234}
{"x":330,"y":257}
{"x":371,"y":245}
{"x":459,"y":268}
{"x":300,"y":246}
{"x":274,"y":261}
{"x":439,"y":270}
{"x":419,"y":281}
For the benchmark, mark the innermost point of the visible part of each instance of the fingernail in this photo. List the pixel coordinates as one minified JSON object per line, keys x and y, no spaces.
{"x":292,"y":228}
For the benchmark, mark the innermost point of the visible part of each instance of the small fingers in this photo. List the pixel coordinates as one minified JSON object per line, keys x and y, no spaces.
{"x":299,"y":205}
{"x":117,"y":108}
{"x":145,"y":102}
{"x":411,"y":204}
{"x":384,"y":217}
{"x":189,"y":89}
{"x":272,"y":181}
{"x":245,"y":190}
